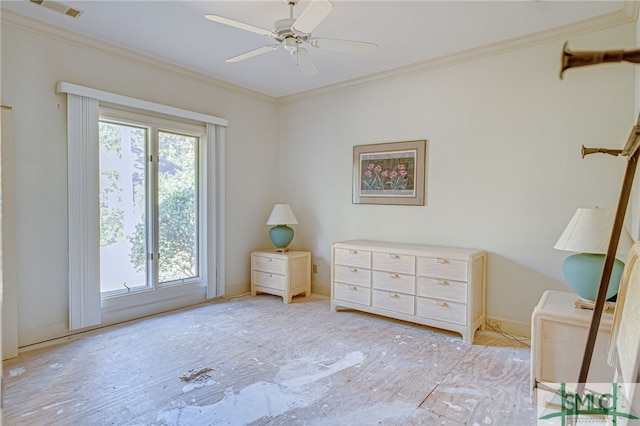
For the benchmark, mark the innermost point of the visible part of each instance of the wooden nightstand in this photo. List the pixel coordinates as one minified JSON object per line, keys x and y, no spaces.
{"x":558,"y":337}
{"x":283,"y":274}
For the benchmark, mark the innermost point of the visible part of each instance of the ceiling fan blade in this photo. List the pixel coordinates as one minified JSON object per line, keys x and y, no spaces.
{"x":312,"y":16}
{"x":252,"y":53}
{"x":304,"y":62}
{"x":343,"y":45}
{"x":238,"y":24}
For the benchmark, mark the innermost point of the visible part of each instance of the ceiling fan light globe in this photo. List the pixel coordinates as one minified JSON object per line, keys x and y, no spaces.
{"x":290,"y":44}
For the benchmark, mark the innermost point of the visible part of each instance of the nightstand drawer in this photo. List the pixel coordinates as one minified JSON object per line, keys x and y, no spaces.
{"x":266,"y":263}
{"x":442,"y":268}
{"x":391,"y":262}
{"x":352,"y":293}
{"x":352,"y":275}
{"x":454,"y":291}
{"x":392,"y":281}
{"x":393,"y":301}
{"x":441,"y":310}
{"x":351,"y":257}
{"x":266,"y":279}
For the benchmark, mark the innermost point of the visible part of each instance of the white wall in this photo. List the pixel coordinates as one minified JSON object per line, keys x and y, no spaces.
{"x":32,"y":64}
{"x":504,"y":171}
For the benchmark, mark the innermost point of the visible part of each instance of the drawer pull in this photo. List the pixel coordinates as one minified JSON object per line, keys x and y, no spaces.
{"x":353,"y":269}
{"x":269,"y":259}
{"x":441,"y":260}
{"x":394,"y":295}
{"x":394,"y":275}
{"x":442,"y":282}
{"x":353,"y":251}
{"x":270,"y":275}
{"x":394,"y":256}
{"x":440,"y":303}
{"x":353,"y":287}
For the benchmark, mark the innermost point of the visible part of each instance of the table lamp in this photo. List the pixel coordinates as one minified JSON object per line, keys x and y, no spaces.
{"x":588,"y":233}
{"x":281,"y":235}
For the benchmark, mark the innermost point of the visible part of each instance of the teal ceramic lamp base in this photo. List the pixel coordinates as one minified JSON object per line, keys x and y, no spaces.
{"x":583,"y":272}
{"x":281,"y":236}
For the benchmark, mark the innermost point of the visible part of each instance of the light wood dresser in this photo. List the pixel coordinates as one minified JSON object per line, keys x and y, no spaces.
{"x":284,"y":274}
{"x":441,"y":287}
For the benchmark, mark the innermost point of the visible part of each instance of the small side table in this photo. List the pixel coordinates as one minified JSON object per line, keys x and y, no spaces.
{"x":559,"y":333}
{"x":282,"y":274}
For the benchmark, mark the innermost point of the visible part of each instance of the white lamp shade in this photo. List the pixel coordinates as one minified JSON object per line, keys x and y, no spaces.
{"x":589,"y":231}
{"x":282,"y":215}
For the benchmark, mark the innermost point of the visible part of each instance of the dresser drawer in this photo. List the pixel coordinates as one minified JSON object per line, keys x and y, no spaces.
{"x":435,"y":288}
{"x":352,"y":293}
{"x":391,"y":262}
{"x":441,"y":310}
{"x":267,"y":279}
{"x":393,"y":301}
{"x":352,"y":275}
{"x":437,"y":267}
{"x":268,"y":264}
{"x":392,"y":281}
{"x":353,"y":257}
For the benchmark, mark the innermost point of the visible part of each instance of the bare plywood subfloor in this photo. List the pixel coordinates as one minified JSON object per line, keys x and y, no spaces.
{"x":255,"y":360}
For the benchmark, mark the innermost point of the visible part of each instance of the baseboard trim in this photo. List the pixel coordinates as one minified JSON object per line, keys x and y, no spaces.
{"x":323,"y":289}
{"x":515,"y":328}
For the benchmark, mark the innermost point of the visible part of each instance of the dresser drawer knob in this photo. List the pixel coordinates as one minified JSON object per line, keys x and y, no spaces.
{"x":353,"y":251}
{"x":441,"y":303}
{"x":394,"y":295}
{"x":394,"y":256}
{"x":269,"y":259}
{"x":394,"y":275}
{"x":442,"y":282}
{"x":441,"y":261}
{"x":353,"y":287}
{"x":353,"y":269}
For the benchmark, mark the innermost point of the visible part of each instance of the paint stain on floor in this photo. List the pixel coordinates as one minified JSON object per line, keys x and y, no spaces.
{"x":262,"y":399}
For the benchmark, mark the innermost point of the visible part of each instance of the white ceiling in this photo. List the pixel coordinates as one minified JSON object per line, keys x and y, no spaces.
{"x":407,"y":32}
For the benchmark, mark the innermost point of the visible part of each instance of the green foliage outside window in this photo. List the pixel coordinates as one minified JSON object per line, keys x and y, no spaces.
{"x":177,"y":211}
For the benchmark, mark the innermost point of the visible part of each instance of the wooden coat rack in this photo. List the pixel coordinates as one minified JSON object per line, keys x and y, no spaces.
{"x":630,"y":151}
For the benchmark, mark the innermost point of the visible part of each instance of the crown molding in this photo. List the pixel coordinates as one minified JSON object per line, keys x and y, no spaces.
{"x":8,"y":17}
{"x":627,"y":14}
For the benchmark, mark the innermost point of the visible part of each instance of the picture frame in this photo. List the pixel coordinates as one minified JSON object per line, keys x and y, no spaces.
{"x":390,"y":173}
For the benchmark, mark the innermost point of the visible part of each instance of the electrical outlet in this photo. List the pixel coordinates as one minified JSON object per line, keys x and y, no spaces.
{"x":315,"y":268}
{"x":494,"y":323}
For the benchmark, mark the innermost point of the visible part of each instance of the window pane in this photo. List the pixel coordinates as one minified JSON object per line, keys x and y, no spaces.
{"x":177,"y":207}
{"x":122,"y":207}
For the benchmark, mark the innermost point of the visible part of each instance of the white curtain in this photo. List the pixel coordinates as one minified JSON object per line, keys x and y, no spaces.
{"x":8,"y":273}
{"x":215,"y":210}
{"x":84,"y":227}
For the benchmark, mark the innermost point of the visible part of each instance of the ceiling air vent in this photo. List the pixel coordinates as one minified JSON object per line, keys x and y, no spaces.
{"x":58,"y":7}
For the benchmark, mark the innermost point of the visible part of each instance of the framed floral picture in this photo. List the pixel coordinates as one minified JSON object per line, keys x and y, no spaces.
{"x":390,"y":173}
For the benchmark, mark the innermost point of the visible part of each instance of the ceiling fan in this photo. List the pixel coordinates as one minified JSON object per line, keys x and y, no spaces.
{"x":294,"y":34}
